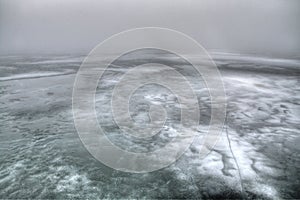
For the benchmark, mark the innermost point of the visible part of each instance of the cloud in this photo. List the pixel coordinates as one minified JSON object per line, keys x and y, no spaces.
{"x":76,"y":26}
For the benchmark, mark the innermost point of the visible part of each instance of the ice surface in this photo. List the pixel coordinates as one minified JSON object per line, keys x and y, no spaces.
{"x":41,"y":155}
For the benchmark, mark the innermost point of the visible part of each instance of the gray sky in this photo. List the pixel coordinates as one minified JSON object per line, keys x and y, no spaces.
{"x":270,"y":27}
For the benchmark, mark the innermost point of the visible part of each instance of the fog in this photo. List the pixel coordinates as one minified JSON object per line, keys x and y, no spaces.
{"x":269,"y":27}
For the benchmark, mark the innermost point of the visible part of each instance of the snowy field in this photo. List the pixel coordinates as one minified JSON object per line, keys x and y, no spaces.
{"x":258,"y":155}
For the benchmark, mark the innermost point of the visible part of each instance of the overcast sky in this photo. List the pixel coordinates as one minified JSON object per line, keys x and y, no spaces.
{"x":270,"y":27}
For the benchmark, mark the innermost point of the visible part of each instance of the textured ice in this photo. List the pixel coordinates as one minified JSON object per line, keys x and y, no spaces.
{"x":41,"y":155}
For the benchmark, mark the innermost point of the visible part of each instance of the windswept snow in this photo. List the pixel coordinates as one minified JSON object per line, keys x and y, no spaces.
{"x":258,"y":155}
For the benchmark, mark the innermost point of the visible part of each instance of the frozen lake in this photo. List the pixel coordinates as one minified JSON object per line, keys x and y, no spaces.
{"x":258,"y":155}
